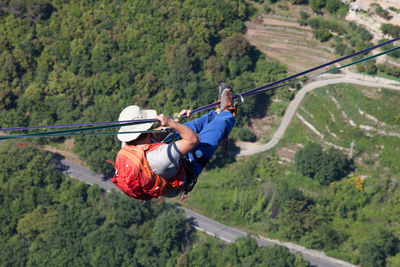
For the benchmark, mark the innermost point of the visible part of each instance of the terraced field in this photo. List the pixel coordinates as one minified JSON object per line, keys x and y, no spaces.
{"x":343,"y":113}
{"x":284,"y":40}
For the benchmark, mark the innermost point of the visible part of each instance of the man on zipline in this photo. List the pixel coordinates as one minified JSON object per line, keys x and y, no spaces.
{"x":148,"y":168}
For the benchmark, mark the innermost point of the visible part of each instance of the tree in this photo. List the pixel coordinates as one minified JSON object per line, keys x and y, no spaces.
{"x":371,"y":256}
{"x":316,"y":5}
{"x":381,"y":244}
{"x":233,"y":47}
{"x":169,"y":232}
{"x":273,"y":256}
{"x":324,"y":167}
{"x":109,"y":246}
{"x":322,"y":35}
{"x":299,"y":2}
{"x":308,"y":160}
{"x":324,"y":237}
{"x":334,"y":166}
{"x":245,"y":246}
{"x":333,"y":6}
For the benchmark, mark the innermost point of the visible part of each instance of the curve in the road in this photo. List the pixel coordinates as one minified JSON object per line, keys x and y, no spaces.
{"x":229,"y":234}
{"x":295,"y":103}
{"x":204,"y":224}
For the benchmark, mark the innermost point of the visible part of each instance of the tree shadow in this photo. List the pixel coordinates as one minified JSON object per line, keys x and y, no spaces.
{"x":224,"y":156}
{"x":262,"y":102}
{"x":57,"y":161}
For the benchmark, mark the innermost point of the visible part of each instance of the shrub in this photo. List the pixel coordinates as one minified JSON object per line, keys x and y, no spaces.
{"x":246,"y":135}
{"x":303,"y":18}
{"x":395,"y":10}
{"x":395,"y":54}
{"x":380,"y":245}
{"x":364,"y":34}
{"x":390,"y":70}
{"x":368,"y":67}
{"x":267,"y":9}
{"x":322,"y":35}
{"x":316,"y":5}
{"x":382,"y":12}
{"x":332,"y":6}
{"x":325,"y":167}
{"x":340,"y":49}
{"x":314,"y":23}
{"x":390,"y":29}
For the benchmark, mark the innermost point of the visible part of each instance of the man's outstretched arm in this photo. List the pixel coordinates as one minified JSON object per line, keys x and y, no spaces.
{"x":189,"y":138}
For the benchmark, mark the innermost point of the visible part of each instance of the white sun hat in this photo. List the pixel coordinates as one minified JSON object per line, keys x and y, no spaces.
{"x":135,"y":113}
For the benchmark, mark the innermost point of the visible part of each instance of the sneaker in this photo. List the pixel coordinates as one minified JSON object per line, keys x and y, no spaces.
{"x":227,"y":101}
{"x":221,"y":88}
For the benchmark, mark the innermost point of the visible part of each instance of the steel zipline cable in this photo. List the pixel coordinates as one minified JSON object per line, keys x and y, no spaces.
{"x":270,"y":86}
{"x":262,"y":89}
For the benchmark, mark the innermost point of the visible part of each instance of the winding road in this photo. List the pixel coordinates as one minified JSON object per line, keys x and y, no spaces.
{"x":204,"y":224}
{"x":348,"y":77}
{"x":229,"y":234}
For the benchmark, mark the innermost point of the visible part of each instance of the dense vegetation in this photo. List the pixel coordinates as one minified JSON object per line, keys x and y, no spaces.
{"x":335,"y":7}
{"x":353,"y":217}
{"x":47,"y":220}
{"x":322,"y":166}
{"x":391,"y":30}
{"x":83,"y":61}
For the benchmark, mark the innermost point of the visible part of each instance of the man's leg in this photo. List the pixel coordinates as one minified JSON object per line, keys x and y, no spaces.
{"x":197,"y":125}
{"x":213,"y":132}
{"x":210,"y":136}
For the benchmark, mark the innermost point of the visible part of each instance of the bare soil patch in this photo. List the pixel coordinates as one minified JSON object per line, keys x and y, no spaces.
{"x":371,"y":20}
{"x":272,"y":21}
{"x":65,"y":150}
{"x":364,"y":4}
{"x":286,"y":153}
{"x":372,"y":93}
{"x":244,"y":146}
{"x":262,"y":127}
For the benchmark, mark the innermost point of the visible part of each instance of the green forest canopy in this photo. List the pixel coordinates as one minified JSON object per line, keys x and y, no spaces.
{"x":48,"y":220}
{"x":83,"y":61}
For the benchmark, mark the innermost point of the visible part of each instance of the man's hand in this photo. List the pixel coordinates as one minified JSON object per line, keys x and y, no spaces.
{"x":189,"y":138}
{"x":185,"y":113}
{"x":164,"y":120}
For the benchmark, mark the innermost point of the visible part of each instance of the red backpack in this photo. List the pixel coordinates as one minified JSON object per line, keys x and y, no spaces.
{"x":134,"y":177}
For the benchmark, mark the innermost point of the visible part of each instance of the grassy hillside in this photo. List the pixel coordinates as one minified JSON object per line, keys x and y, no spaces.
{"x":268,"y":195}
{"x":343,"y":113}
